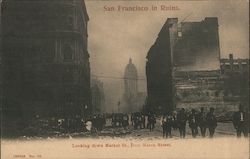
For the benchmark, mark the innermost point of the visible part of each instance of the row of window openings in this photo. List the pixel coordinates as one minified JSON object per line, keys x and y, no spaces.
{"x":235,"y":66}
{"x":216,"y":94}
{"x":67,"y":54}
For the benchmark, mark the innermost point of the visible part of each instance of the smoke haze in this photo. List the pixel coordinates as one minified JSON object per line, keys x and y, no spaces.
{"x":115,"y":36}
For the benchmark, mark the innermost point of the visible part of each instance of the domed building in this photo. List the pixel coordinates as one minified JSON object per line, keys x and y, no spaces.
{"x":130,"y":88}
{"x":130,"y":79}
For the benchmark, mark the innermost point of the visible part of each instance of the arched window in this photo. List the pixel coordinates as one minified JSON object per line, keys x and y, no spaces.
{"x":67,"y":52}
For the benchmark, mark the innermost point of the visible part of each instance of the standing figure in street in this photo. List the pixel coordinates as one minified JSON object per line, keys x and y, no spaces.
{"x":182,"y":120}
{"x":140,"y":121}
{"x":143,"y":121}
{"x":151,"y":121}
{"x":202,"y":122}
{"x":193,"y":123}
{"x":132,"y":119}
{"x":169,"y":125}
{"x":240,"y":122}
{"x":95,"y":122}
{"x":125,"y":121}
{"x":211,"y":122}
{"x":163,"y":124}
{"x":146,"y":121}
{"x":113,"y":120}
{"x":175,"y":122}
{"x":136,"y":122}
{"x":154,"y":121}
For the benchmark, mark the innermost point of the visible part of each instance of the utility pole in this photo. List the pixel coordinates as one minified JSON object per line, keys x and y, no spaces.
{"x":118,"y":106}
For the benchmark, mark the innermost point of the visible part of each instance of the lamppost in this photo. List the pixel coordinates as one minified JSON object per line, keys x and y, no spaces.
{"x":118,"y":106}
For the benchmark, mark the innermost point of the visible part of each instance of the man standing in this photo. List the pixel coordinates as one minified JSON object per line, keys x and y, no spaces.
{"x":132,"y":119}
{"x":182,"y":119}
{"x":193,"y":123}
{"x":175,"y":123}
{"x":143,"y":121}
{"x":211,"y":122}
{"x":152,"y":121}
{"x":240,"y":122}
{"x":169,"y":125}
{"x":202,"y":122}
{"x":125,"y":121}
{"x":163,"y":124}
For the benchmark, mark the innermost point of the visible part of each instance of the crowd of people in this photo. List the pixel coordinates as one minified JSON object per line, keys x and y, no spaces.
{"x":198,"y":121}
{"x":195,"y":120}
{"x":142,"y":121}
{"x":202,"y":121}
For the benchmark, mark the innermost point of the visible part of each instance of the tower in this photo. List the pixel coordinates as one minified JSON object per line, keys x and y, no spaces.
{"x":130,"y":86}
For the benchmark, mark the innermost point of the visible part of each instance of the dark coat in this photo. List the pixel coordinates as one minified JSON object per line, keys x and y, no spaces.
{"x":202,"y":121}
{"x":193,"y":120}
{"x":182,"y":119}
{"x":237,"y":121}
{"x":211,"y":120}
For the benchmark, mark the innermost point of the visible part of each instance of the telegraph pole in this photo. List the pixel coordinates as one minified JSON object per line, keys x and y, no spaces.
{"x":118,"y":106}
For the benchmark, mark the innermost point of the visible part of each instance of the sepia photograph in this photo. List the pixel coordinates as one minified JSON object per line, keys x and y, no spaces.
{"x":124,"y":79}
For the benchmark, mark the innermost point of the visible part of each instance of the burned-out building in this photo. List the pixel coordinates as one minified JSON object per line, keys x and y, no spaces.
{"x":195,"y":45}
{"x":184,"y":61}
{"x":159,"y":73}
{"x":235,"y":74}
{"x":45,"y":58}
{"x":195,"y":89}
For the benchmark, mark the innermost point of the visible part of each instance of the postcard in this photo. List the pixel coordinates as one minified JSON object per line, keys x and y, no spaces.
{"x":124,"y":79}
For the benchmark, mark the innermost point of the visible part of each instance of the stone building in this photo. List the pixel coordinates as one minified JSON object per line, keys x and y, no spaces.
{"x":195,"y":45}
{"x":182,"y":50}
{"x":130,"y":79}
{"x":235,"y":74}
{"x":130,"y":87}
{"x":132,"y":100}
{"x":1,"y":80}
{"x":195,"y":89}
{"x":98,"y":96}
{"x":45,"y":58}
{"x":159,"y":73}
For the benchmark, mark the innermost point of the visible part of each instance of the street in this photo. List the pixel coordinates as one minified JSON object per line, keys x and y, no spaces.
{"x":222,"y":130}
{"x":109,"y":132}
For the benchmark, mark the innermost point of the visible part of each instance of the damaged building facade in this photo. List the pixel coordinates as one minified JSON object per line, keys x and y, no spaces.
{"x":235,"y":74}
{"x":159,"y":73}
{"x":45,"y":59}
{"x":196,"y":62}
{"x":183,"y":67}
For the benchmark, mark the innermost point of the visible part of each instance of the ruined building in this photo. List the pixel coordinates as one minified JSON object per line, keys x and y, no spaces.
{"x":183,"y":60}
{"x":45,"y":59}
{"x":235,"y":74}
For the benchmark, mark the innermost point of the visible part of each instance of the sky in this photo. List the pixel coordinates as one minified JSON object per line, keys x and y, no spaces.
{"x":115,"y":36}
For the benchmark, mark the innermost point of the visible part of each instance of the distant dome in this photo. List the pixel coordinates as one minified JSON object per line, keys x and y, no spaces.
{"x":130,"y":70}
{"x":130,"y":87}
